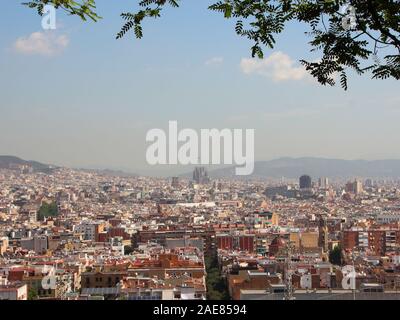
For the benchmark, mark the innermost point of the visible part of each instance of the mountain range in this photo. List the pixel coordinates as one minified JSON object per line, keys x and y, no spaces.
{"x":291,"y":168}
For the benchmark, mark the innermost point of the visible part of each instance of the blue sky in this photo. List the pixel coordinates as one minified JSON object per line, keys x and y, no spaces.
{"x":82,"y":98}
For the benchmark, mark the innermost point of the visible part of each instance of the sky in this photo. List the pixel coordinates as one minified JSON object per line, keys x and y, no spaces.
{"x":77,"y":97}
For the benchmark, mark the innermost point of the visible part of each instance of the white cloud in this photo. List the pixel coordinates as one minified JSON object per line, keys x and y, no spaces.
{"x":41,"y":43}
{"x":278,"y":67}
{"x":215,"y":61}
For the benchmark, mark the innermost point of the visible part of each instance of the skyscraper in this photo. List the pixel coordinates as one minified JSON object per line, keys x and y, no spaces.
{"x":305,"y":182}
{"x":369,"y":183}
{"x":355,"y":187}
{"x":323,"y":183}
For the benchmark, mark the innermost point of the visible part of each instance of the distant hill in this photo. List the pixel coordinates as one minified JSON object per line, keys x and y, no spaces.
{"x":7,"y":162}
{"x":318,"y":167}
{"x":291,"y":168}
{"x":111,"y":173}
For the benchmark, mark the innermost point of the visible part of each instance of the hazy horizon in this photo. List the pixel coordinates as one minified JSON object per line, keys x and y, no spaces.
{"x":180,"y":170}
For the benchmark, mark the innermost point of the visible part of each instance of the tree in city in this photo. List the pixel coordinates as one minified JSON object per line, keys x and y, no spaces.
{"x":335,"y":256}
{"x":216,"y":285}
{"x":32,"y":294}
{"x":47,"y":210}
{"x":358,"y":35}
{"x":128,"y":250}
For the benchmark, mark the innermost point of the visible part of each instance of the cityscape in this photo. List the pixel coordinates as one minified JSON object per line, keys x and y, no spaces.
{"x":69,"y":234}
{"x":191,"y":159}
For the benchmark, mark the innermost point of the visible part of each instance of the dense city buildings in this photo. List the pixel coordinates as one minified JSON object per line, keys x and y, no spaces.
{"x":85,"y":235}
